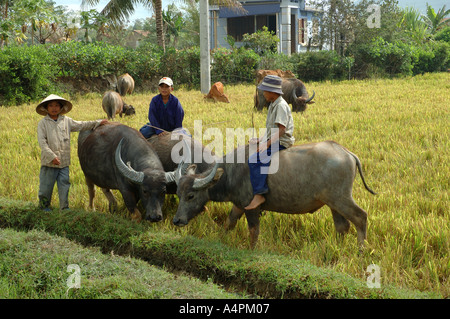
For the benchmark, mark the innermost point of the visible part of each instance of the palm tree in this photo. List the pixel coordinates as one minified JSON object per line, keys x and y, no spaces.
{"x":434,"y":20}
{"x":120,"y":10}
{"x":414,"y":25}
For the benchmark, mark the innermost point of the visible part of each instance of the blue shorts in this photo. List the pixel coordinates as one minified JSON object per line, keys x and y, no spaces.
{"x":257,"y":162}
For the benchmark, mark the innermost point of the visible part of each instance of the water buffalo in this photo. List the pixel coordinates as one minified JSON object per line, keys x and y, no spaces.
{"x":115,"y":156}
{"x":308,"y":177}
{"x":113,"y":104}
{"x":165,"y":145}
{"x":216,"y":93}
{"x":294,"y":92}
{"x":125,"y":84}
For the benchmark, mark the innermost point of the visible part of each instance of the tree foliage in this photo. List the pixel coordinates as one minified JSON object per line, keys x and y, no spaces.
{"x":262,"y":41}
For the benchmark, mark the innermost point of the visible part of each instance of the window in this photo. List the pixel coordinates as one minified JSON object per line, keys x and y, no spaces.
{"x":301,"y":31}
{"x":237,"y":27}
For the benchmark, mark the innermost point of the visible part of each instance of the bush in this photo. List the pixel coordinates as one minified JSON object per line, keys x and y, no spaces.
{"x":262,"y":41}
{"x":273,"y":61}
{"x":26,"y":74}
{"x":389,"y":58}
{"x":232,"y":66}
{"x":81,"y":60}
{"x":321,"y":65}
{"x":144,"y":62}
{"x":431,"y":57}
{"x":183,"y":66}
{"x":443,"y":35}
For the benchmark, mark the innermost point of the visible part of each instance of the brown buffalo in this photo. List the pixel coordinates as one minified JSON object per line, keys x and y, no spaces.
{"x":216,"y":93}
{"x":125,"y":84}
{"x":113,"y":104}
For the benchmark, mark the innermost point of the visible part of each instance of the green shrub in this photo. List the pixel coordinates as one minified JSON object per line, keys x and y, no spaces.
{"x":232,"y":66}
{"x":262,"y":41}
{"x":183,"y":66}
{"x":389,"y":58}
{"x":26,"y":73}
{"x":144,"y":62}
{"x":443,"y":35}
{"x":321,"y":65}
{"x":273,"y":61}
{"x":81,"y":60}
{"x":431,"y":57}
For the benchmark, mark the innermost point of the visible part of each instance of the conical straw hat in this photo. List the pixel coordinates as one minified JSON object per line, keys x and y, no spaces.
{"x":66,"y":105}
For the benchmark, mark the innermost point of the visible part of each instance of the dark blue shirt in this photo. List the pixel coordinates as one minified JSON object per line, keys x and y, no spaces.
{"x":167,"y":117}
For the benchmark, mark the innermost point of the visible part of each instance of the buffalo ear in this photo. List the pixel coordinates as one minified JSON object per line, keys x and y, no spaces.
{"x":191,"y":169}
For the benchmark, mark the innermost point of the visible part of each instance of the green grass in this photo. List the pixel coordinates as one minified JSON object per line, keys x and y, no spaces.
{"x":35,"y":264}
{"x":253,"y":273}
{"x":398,"y":128}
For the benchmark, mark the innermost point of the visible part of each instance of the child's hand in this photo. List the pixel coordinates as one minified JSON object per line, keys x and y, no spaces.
{"x":103,"y":122}
{"x":56,"y":161}
{"x":262,"y":147}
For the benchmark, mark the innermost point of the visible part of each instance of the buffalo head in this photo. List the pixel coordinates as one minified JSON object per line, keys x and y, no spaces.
{"x":128,"y":109}
{"x":193,"y":192}
{"x":299,"y":102}
{"x":150,"y":184}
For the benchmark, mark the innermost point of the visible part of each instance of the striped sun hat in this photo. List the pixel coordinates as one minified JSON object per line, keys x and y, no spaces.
{"x":271,"y":83}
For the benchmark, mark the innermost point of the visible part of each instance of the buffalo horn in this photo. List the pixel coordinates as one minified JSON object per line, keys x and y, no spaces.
{"x":127,"y":170}
{"x":308,"y":100}
{"x":202,"y":182}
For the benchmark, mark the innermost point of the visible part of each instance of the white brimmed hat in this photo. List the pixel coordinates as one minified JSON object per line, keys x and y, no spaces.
{"x":66,"y":105}
{"x":271,"y":83}
{"x":166,"y":80}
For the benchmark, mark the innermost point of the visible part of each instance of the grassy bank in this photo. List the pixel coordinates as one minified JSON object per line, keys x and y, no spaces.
{"x":398,"y":128}
{"x":249,"y":272}
{"x":39,"y":266}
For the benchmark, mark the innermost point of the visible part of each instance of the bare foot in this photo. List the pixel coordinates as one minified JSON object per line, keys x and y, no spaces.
{"x":256,"y":201}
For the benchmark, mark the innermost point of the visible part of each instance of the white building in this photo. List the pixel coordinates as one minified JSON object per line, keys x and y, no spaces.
{"x":293,"y":23}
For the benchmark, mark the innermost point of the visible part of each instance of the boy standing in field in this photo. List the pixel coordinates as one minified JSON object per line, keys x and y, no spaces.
{"x":54,"y":139}
{"x":278,"y":136}
{"x":165,"y":113}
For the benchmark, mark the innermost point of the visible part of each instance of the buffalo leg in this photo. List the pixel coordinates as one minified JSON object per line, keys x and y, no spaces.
{"x":253,"y":226}
{"x":358,"y":216}
{"x":341,"y":224}
{"x":111,"y":199}
{"x":91,"y":192}
{"x":131,"y":204}
{"x":233,"y":217}
{"x":136,"y":216}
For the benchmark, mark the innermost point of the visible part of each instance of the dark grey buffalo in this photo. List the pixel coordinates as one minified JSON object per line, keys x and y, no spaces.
{"x":308,"y":177}
{"x":294,"y":92}
{"x":170,"y":150}
{"x":115,"y":156}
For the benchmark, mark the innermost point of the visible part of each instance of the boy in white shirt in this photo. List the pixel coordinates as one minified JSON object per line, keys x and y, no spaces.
{"x":279,"y":136}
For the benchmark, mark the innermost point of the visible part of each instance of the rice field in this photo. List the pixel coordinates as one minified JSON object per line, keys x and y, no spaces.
{"x":397,"y":127}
